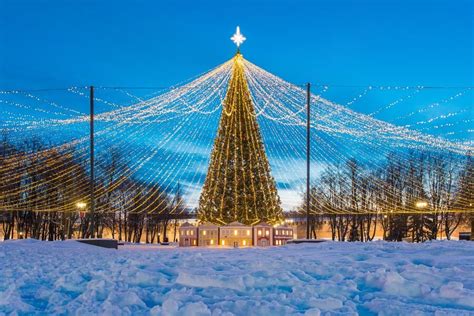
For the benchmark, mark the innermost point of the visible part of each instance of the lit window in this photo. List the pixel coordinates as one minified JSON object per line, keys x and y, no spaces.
{"x":194,"y":242}
{"x":187,"y":232}
{"x":248,"y":232}
{"x":235,"y":232}
{"x":267,"y":232}
{"x":245,"y":242}
{"x":259,"y":232}
{"x":192,"y":232}
{"x":204,"y":233}
{"x":212,"y":241}
{"x":223,"y":243}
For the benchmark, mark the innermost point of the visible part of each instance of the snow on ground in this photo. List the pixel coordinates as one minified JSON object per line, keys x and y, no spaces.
{"x":317,"y":279}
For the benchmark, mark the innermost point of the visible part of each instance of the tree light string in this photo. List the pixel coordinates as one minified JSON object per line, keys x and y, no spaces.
{"x":280,"y":109}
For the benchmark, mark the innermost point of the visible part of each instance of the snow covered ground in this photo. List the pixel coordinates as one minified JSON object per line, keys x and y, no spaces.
{"x":334,"y":278}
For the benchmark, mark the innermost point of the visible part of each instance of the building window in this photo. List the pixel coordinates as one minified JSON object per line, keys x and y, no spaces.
{"x":259,"y":232}
{"x":235,"y":232}
{"x":194,"y":242}
{"x":204,"y":233}
{"x":245,"y":242}
{"x":267,"y":232}
{"x":212,"y":241}
{"x":223,"y":243}
{"x":248,"y":232}
{"x":192,"y":232}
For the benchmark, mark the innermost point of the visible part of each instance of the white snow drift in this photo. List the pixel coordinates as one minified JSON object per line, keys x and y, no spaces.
{"x":333,"y":278}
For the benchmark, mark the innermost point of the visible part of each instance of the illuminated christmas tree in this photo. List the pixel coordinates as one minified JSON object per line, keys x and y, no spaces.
{"x":239,"y":185}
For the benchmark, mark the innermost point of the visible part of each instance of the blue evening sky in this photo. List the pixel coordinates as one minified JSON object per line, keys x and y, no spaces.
{"x":52,"y":43}
{"x":58,"y":44}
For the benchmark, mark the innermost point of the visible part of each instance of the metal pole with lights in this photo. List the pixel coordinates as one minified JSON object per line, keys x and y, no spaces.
{"x":308,"y":155}
{"x":92,"y":179}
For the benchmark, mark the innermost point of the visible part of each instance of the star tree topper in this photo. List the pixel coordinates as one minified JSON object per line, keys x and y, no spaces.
{"x":238,"y":38}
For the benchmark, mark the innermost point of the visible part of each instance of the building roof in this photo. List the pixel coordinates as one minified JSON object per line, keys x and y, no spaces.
{"x":208,"y":225}
{"x":235,"y":224}
{"x":263,"y":224}
{"x":186,"y":225}
{"x":284,"y":226}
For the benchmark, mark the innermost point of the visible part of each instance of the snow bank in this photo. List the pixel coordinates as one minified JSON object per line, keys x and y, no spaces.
{"x":317,"y":279}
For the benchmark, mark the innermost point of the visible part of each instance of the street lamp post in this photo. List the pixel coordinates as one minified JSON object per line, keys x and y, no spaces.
{"x":472,"y":222}
{"x":81,"y":206}
{"x":422,"y":205}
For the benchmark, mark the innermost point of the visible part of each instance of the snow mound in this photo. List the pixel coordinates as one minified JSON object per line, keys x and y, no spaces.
{"x":307,"y":279}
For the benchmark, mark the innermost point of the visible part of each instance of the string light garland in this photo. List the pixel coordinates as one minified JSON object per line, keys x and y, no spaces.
{"x":168,"y":138}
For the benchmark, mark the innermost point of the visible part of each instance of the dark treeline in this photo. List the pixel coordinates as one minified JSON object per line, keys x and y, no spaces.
{"x":44,"y":194}
{"x":357,"y":202}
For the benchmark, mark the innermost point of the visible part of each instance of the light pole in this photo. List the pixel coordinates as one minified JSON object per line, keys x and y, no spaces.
{"x":81,"y":206}
{"x":422,"y":205}
{"x":92,"y":179}
{"x":472,"y":222}
{"x":308,"y":155}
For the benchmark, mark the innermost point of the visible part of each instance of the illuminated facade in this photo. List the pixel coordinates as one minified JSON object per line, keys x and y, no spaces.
{"x":281,"y":234}
{"x":188,"y":235}
{"x":263,"y":235}
{"x":208,"y":235}
{"x":236,"y":234}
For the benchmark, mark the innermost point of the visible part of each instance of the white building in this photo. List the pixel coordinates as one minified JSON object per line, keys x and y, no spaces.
{"x":208,"y":235}
{"x":235,"y":234}
{"x":281,"y":234}
{"x":188,"y":235}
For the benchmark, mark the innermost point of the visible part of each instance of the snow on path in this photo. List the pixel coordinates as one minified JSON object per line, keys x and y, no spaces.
{"x":328,"y":278}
